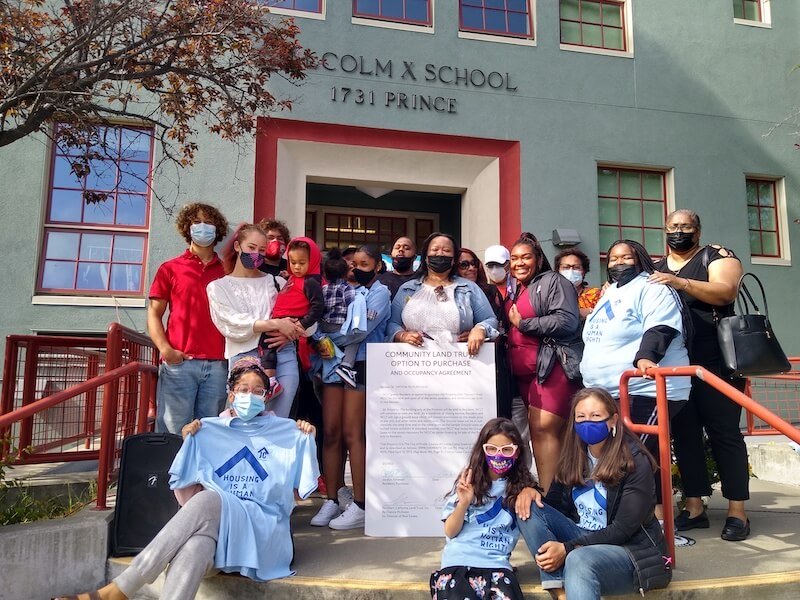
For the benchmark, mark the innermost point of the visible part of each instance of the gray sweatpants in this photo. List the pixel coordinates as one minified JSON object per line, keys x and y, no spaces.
{"x":187,"y":543}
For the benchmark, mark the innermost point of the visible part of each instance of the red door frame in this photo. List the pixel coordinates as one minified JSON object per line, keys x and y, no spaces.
{"x":269,"y":131}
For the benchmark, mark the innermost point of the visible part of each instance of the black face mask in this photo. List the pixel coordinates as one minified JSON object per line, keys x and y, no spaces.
{"x":440,"y":264}
{"x":363,"y":277}
{"x":402,"y":263}
{"x":622,"y":274}
{"x":680,"y":241}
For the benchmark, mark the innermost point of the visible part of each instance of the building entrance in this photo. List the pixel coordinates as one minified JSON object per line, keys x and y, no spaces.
{"x":341,"y":216}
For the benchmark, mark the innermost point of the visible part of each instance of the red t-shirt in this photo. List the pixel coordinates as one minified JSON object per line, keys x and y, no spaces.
{"x":182,"y":282}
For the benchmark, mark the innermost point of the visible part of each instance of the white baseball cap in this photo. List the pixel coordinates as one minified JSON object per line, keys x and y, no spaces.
{"x":496,"y":254}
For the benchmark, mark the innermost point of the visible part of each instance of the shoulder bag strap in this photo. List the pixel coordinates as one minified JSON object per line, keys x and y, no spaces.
{"x":744,"y":296}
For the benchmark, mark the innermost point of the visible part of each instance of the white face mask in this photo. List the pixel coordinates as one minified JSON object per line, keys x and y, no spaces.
{"x":573,"y":275}
{"x":496,"y":274}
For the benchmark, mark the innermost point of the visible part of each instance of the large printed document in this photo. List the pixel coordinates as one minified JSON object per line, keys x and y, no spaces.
{"x":425,"y":407}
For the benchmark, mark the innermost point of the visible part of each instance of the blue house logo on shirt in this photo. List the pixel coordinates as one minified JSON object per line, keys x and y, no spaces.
{"x":262,"y":454}
{"x":243,"y":455}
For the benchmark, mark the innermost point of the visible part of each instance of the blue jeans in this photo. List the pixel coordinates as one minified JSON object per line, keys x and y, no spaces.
{"x":190,"y":390}
{"x":588,"y":571}
{"x":286,"y":372}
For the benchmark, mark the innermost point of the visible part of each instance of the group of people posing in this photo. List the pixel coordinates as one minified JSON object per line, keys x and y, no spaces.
{"x":241,"y":329}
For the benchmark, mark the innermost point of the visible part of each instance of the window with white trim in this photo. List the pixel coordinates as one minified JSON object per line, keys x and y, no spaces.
{"x":96,"y":223}
{"x":596,"y":24}
{"x":300,"y":6}
{"x":751,"y":11}
{"x":410,"y":12}
{"x":511,"y":18}
{"x":766,"y":218}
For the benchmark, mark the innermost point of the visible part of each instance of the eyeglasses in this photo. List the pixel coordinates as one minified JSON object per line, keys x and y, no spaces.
{"x":466,"y":264}
{"x":682,"y":227}
{"x":243,"y":389}
{"x":441,"y":295}
{"x":570,"y":268}
{"x":508,"y":450}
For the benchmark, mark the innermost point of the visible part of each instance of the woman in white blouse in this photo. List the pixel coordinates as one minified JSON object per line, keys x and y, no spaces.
{"x":241,"y":304}
{"x":439,"y":305}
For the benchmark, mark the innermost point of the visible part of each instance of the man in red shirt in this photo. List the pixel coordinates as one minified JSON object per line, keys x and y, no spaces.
{"x":191,"y":378}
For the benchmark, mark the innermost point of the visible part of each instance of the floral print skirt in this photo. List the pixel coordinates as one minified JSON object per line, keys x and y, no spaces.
{"x":462,"y":583}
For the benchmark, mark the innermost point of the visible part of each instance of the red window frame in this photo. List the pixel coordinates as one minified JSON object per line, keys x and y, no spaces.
{"x":743,"y":4}
{"x":619,"y":198}
{"x":623,"y":28}
{"x":317,"y":11}
{"x":84,"y":227}
{"x":757,"y":208}
{"x":506,"y":10}
{"x":380,"y":17}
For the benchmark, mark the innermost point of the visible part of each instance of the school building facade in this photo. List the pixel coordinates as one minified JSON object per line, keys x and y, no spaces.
{"x":482,"y":118}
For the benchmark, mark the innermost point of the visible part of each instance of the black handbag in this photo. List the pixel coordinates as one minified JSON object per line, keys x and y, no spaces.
{"x":747,"y":343}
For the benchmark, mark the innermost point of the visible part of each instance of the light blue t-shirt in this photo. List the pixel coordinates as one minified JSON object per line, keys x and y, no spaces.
{"x":488,"y":535}
{"x":613,"y":332}
{"x":254,"y":466}
{"x":590,"y":502}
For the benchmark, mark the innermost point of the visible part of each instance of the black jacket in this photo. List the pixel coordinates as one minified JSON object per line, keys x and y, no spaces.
{"x":631,"y":523}
{"x":555,"y":302}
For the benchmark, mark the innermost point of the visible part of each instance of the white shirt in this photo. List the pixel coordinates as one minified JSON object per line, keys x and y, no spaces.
{"x":425,"y":312}
{"x":236,"y":303}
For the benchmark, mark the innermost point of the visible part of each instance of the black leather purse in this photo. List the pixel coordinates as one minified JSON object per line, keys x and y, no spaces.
{"x":746,"y":340}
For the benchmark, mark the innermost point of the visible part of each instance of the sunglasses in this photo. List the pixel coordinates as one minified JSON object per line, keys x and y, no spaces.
{"x":466,"y":264}
{"x":441,"y":295}
{"x":507,"y":451}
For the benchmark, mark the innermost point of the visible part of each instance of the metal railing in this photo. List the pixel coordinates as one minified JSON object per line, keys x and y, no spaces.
{"x":779,"y":393}
{"x":92,"y":413}
{"x":662,"y":429}
{"x":146,"y":374}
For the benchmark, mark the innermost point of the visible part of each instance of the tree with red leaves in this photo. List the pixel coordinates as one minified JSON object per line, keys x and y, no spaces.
{"x":175,"y":65}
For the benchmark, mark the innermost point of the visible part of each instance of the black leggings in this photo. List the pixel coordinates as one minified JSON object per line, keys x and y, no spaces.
{"x":643,"y":410}
{"x":720,"y":417}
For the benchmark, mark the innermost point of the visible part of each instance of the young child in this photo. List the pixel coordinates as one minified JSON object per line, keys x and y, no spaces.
{"x":300,"y":298}
{"x":479,"y":519}
{"x":345,"y":313}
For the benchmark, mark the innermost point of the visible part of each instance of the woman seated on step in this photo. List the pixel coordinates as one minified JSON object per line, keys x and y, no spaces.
{"x":235,"y":478}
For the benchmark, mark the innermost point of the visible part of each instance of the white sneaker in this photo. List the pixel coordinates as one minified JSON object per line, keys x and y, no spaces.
{"x":345,"y":497}
{"x":328,"y":511}
{"x":351,"y":518}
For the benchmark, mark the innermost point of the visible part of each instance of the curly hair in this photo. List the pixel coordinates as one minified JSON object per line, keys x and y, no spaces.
{"x":268,"y":224}
{"x":581,"y":256}
{"x":211,"y":213}
{"x":247,"y":364}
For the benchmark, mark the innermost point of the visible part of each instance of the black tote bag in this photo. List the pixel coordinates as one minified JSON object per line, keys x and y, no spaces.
{"x":746,"y":340}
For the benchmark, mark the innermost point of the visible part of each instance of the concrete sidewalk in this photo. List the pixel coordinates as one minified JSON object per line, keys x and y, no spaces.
{"x":346,"y":564}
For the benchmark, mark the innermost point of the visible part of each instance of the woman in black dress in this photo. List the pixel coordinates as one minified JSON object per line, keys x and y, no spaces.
{"x":707,"y":279}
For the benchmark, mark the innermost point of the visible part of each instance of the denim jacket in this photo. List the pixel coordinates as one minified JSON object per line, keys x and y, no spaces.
{"x":473,"y":308}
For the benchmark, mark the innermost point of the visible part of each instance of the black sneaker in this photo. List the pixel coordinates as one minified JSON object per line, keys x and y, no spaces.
{"x":347,"y":375}
{"x":683,"y":522}
{"x":735,"y":530}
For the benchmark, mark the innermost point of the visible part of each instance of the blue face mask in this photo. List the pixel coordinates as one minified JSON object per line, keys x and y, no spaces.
{"x":247,"y":405}
{"x":592,"y":432}
{"x":203,"y":234}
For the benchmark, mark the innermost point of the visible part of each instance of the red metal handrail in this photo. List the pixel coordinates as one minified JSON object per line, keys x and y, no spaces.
{"x":662,"y":429}
{"x":107,"y":434}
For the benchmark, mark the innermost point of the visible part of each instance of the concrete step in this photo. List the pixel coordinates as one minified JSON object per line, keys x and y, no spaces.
{"x":774,"y":458}
{"x":349,"y":566}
